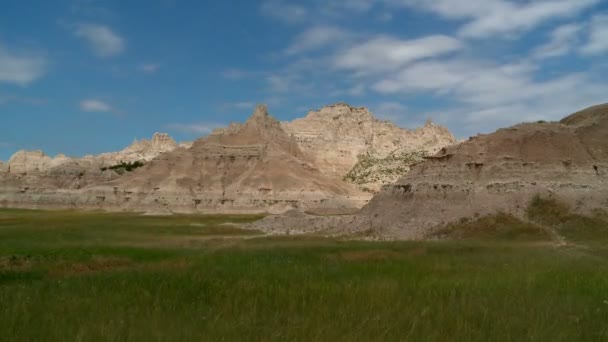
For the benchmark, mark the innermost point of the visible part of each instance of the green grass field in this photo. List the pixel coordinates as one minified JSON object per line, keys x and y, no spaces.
{"x":67,"y":276}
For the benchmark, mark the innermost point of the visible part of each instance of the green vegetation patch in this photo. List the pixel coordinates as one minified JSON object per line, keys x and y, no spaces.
{"x":501,"y":226}
{"x":124,"y":167}
{"x":371,"y":169}
{"x":573,"y":227}
{"x":96,"y":276}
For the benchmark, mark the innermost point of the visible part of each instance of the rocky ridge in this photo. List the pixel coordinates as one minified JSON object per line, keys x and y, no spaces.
{"x":262,"y":165}
{"x":338,"y":138}
{"x":498,"y":172}
{"x":24,"y":162}
{"x":253,"y":167}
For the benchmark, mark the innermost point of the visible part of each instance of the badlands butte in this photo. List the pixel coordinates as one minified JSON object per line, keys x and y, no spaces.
{"x":331,"y":161}
{"x":385,"y":181}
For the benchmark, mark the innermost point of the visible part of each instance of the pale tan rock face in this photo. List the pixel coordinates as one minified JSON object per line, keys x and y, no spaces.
{"x":142,"y":150}
{"x":254,"y":167}
{"x":259,"y":166}
{"x":24,"y":162}
{"x":485,"y":175}
{"x":3,"y":167}
{"x":335,"y":136}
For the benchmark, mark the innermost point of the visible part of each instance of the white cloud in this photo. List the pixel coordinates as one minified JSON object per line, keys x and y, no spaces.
{"x":287,"y":13}
{"x":317,"y":37}
{"x":149,"y":68}
{"x":101,"y":39}
{"x":487,"y":95}
{"x":489,"y":18}
{"x":462,"y":74}
{"x":95,"y":106}
{"x":387,"y":53}
{"x":598,"y":36}
{"x":563,"y":41}
{"x":194,"y":128}
{"x":20,"y":69}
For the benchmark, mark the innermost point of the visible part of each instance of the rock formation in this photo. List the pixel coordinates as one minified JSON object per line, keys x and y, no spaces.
{"x":142,"y":150}
{"x":259,"y":166}
{"x":339,"y":138}
{"x":29,"y":161}
{"x":499,"y":172}
{"x":255,"y":167}
{"x":24,"y":162}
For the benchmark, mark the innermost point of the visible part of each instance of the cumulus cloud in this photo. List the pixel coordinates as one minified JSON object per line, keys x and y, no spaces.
{"x":20,"y":68}
{"x":563,"y":41}
{"x":386,"y":53}
{"x":490,"y":18}
{"x":101,"y":39}
{"x":489,"y":95}
{"x":95,"y":106}
{"x":317,"y":37}
{"x":462,"y":79}
{"x":598,"y":36}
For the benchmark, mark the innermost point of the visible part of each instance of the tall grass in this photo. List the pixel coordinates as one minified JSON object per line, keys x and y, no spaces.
{"x":100,"y":277}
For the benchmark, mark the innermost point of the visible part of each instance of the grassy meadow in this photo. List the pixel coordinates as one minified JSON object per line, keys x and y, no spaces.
{"x":69,"y":276}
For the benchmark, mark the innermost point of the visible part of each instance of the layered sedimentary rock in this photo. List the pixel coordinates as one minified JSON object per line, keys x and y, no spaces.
{"x":32,"y":179}
{"x":259,"y":166}
{"x":339,"y":138}
{"x":26,"y":162}
{"x":254,"y":167}
{"x":141,"y":150}
{"x":499,"y":172}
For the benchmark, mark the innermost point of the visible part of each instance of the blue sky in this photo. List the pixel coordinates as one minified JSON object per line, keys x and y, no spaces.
{"x":88,"y":76}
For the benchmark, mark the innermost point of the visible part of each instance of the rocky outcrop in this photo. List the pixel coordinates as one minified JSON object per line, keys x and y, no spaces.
{"x":24,"y":162}
{"x":141,"y":150}
{"x":488,"y":174}
{"x":258,"y":166}
{"x":338,"y":137}
{"x":39,"y":173}
{"x":254,"y":167}
{"x":371,"y":172}
{"x":37,"y":162}
{"x":499,"y":172}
